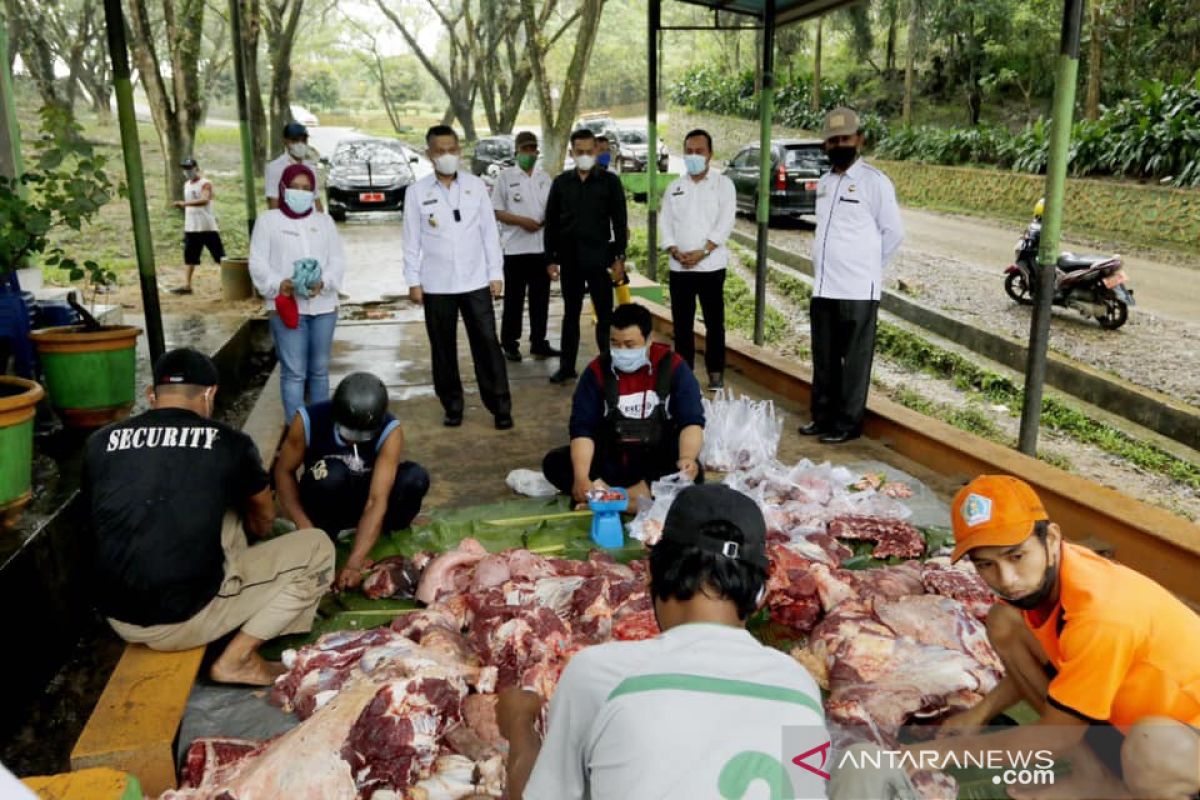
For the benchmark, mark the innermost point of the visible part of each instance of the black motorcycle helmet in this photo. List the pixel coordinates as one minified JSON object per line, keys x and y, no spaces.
{"x":359,"y":405}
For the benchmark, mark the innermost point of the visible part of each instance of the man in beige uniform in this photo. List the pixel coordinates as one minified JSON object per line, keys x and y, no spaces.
{"x":168,"y":493}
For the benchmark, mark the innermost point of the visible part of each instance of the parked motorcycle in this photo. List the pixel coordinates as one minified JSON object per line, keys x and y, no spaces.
{"x":1095,"y":286}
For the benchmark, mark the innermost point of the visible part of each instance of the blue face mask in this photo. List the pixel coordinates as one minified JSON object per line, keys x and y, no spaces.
{"x":629,"y":359}
{"x":604,"y":159}
{"x":299,"y":200}
{"x":695,"y":164}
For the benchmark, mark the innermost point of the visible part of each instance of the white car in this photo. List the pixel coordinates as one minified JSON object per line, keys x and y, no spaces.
{"x":304,"y":116}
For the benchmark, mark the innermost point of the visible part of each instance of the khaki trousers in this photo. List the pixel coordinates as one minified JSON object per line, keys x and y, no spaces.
{"x":270,"y":589}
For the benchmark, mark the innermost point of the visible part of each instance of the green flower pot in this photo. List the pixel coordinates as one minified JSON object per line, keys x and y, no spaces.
{"x":90,"y":375}
{"x":18,"y":399}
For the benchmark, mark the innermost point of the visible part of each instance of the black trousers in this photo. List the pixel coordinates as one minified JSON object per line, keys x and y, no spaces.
{"x":612,"y":469}
{"x":335,"y":501}
{"x":843,"y":345}
{"x":441,"y":323}
{"x":576,"y":281}
{"x":527,"y":270}
{"x":709,"y":287}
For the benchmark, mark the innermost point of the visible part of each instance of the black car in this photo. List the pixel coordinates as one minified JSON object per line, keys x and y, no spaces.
{"x":493,"y":150}
{"x":631,"y":150}
{"x":367,"y":174}
{"x":796,"y":166}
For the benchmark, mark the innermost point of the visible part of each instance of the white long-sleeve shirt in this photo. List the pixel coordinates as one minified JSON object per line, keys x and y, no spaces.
{"x":696,"y":212}
{"x":279,"y":241}
{"x":858,"y":231}
{"x":447,"y":256}
{"x":525,"y":194}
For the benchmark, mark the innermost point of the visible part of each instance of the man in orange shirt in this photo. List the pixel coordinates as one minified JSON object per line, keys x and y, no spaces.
{"x":1088,"y":643}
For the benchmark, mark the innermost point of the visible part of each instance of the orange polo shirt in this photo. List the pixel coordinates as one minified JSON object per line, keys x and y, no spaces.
{"x":1124,"y":647}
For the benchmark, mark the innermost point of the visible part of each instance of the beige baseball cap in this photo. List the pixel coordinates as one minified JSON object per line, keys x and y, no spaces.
{"x":840,"y":122}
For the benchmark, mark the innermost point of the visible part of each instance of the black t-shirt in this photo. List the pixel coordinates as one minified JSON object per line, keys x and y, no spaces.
{"x":156,"y":488}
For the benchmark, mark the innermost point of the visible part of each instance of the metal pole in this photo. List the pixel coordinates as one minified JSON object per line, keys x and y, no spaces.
{"x":114,"y":20}
{"x":654,"y":21}
{"x":1056,"y":179}
{"x":766,"y":110}
{"x":11,"y":164}
{"x":239,"y":76}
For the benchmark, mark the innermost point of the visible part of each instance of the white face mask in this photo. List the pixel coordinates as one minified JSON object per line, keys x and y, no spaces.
{"x":298,"y":150}
{"x":585,"y":162}
{"x":299,"y":200}
{"x":446,"y":164}
{"x":629,"y":359}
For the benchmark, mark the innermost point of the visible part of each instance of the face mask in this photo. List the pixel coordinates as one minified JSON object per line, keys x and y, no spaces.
{"x":299,"y":200}
{"x":191,"y":174}
{"x":446,"y":164}
{"x":585,"y":162}
{"x":695,"y":164}
{"x":604,"y":159}
{"x":842,"y":157}
{"x":298,"y":150}
{"x":526,"y":160}
{"x":629,"y":359}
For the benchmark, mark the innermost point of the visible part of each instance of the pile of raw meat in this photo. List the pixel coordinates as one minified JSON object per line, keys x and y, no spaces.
{"x":409,"y":711}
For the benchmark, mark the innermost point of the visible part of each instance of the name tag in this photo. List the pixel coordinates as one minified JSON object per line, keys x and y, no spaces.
{"x":429,"y":202}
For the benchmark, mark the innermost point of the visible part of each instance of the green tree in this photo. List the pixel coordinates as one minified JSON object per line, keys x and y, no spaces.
{"x":318,"y":85}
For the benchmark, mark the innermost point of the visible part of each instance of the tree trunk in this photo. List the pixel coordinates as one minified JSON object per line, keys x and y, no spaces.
{"x":251,"y":32}
{"x":889,"y":62}
{"x":1094,"y":52}
{"x":282,"y":21}
{"x":31,"y":42}
{"x":816,"y":87}
{"x":910,"y":60}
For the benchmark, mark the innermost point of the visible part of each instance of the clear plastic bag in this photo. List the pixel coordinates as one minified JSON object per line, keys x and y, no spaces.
{"x":530,"y":483}
{"x":739,"y":433}
{"x":647,"y":525}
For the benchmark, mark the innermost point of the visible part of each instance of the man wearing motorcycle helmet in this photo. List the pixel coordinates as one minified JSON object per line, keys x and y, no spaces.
{"x":351,"y":449}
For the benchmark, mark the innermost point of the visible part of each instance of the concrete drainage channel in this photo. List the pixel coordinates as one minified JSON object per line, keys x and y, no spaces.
{"x":1144,"y":407}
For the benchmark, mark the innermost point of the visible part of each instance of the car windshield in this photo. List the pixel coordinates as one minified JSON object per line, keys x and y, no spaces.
{"x":809,"y":157}
{"x":632,"y":137}
{"x":598,"y":125}
{"x":378,"y":153}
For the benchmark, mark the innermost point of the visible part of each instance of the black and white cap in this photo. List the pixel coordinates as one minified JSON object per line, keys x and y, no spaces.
{"x":696,"y":506}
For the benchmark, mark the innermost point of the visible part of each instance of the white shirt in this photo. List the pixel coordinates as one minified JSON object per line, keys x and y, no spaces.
{"x":445,"y":256}
{"x":523,"y":194}
{"x":279,"y":241}
{"x":695,"y":212}
{"x":669,"y":717}
{"x":858,"y":231}
{"x":275,"y":173}
{"x":197,"y":219}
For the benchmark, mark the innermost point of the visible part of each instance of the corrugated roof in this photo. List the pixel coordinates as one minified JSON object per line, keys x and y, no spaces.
{"x":785,"y":10}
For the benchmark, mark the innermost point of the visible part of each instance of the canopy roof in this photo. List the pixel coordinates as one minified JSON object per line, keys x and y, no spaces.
{"x":785,"y":10}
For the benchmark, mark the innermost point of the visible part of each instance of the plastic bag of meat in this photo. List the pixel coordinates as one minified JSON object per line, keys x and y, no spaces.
{"x":739,"y":433}
{"x":646,"y":527}
{"x":531,"y":483}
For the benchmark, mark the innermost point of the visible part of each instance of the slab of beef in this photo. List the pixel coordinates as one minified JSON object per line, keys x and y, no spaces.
{"x":892,"y":537}
{"x":211,"y":753}
{"x":792,"y":595}
{"x":636,"y":626}
{"x":961,"y":582}
{"x":317,"y":671}
{"x":451,"y":571}
{"x":836,"y":586}
{"x":395,"y":576}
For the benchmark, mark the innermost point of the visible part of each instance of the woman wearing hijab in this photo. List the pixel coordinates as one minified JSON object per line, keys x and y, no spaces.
{"x":297,"y":264}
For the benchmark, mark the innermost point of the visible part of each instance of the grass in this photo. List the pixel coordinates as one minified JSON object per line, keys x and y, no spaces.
{"x":918,"y":353}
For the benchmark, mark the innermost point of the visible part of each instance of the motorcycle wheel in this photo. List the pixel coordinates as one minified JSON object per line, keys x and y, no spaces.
{"x":1116,"y":313}
{"x":1018,"y":288}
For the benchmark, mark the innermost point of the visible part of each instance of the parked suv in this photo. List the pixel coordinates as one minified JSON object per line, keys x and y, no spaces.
{"x":633,"y":145}
{"x":796,"y":166}
{"x":367,"y":174}
{"x":493,"y":150}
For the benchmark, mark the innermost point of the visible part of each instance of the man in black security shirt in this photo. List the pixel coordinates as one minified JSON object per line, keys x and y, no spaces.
{"x":586,"y":233}
{"x":164,"y":491}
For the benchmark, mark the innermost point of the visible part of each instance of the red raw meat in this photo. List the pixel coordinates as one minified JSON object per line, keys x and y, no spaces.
{"x":394,"y":576}
{"x":961,"y":583}
{"x":893,"y":537}
{"x":441,"y":576}
{"x":792,"y":595}
{"x":210,"y":753}
{"x":591,"y":611}
{"x":317,"y":671}
{"x":636,"y":626}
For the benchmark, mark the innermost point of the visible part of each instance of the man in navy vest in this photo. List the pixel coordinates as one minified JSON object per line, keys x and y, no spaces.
{"x":351,"y":449}
{"x":636,"y":415}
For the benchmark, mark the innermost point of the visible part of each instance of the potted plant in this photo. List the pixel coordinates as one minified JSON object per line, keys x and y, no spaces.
{"x":88,"y":368}
{"x":18,"y":399}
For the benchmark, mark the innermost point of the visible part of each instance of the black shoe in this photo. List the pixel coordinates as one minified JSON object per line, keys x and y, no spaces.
{"x":504,"y":422}
{"x":715,"y":381}
{"x":181,"y":290}
{"x":813,"y":429}
{"x":563,"y":376}
{"x":837,"y":437}
{"x":544,"y":350}
{"x":512,"y":352}
{"x":452,"y":420}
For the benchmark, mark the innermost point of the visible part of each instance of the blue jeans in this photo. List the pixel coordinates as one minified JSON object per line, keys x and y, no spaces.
{"x":303,"y":354}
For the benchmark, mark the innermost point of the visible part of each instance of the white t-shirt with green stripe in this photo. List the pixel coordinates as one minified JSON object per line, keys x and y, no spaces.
{"x":697,"y":712}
